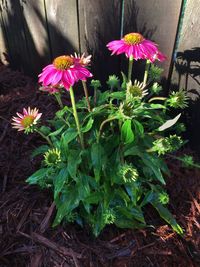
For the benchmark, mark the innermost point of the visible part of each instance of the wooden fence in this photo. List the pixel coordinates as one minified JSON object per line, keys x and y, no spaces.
{"x":34,"y":31}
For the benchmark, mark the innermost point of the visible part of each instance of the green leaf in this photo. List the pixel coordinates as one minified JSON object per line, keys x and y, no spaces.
{"x":169,"y":123}
{"x":167,"y":216}
{"x":157,"y":106}
{"x":122,"y":194}
{"x":118,"y":95}
{"x":74,"y":159}
{"x":138,"y":127}
{"x":83,"y":186}
{"x":69,"y":135}
{"x":126,"y":132}
{"x":131,"y":151}
{"x":59,"y":181}
{"x":37,"y":176}
{"x":132,"y":218}
{"x":97,"y":157}
{"x":133,"y":192}
{"x":124,"y":81}
{"x":149,"y":196}
{"x":45,"y":130}
{"x":57,"y":132}
{"x":93,"y":198}
{"x":40,"y":150}
{"x":68,"y":202}
{"x":88,"y":126}
{"x":98,"y":221}
{"x":153,"y":164}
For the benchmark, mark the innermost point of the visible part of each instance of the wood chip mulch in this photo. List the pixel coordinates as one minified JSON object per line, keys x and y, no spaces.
{"x":26,"y":212}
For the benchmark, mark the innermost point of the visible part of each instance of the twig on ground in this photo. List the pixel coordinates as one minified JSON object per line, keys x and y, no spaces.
{"x":45,"y":222}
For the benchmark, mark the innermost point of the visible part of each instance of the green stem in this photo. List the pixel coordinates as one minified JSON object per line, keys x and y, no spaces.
{"x":146,"y":72}
{"x":45,"y":137}
{"x":130,"y":68}
{"x":76,"y":116}
{"x":95,"y":96}
{"x":180,"y":159}
{"x":59,"y":100}
{"x":86,"y":95}
{"x":102,"y":125}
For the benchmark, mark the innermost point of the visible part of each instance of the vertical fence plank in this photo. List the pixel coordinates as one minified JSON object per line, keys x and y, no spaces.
{"x":155,"y":19}
{"x":186,"y":72}
{"x":36,"y":34}
{"x":100,"y":23}
{"x":3,"y":41}
{"x":63,"y":26}
{"x":14,"y":29}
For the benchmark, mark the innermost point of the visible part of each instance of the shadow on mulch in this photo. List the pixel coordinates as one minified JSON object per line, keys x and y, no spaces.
{"x":26,"y":212}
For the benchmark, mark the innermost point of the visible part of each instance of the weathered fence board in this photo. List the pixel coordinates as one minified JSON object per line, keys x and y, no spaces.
{"x":100,"y":23}
{"x":157,"y":20}
{"x":3,"y":42}
{"x":35,"y":29}
{"x":63,"y":26}
{"x":186,"y":73}
{"x":14,"y":30}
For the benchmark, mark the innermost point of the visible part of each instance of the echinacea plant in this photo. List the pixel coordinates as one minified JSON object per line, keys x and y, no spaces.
{"x":104,"y":155}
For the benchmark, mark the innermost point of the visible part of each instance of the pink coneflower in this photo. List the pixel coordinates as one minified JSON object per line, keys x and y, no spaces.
{"x":82,"y":60}
{"x":27,"y":120}
{"x":64,"y":71}
{"x":49,"y":89}
{"x":136,"y":46}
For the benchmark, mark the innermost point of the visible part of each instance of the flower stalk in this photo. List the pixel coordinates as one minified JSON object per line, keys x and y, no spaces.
{"x":76,"y":116}
{"x":86,"y":95}
{"x":130,"y":68}
{"x":146,"y":72}
{"x":45,"y":137}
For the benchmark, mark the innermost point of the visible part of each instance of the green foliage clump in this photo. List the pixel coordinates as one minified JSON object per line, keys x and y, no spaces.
{"x":121,"y":167}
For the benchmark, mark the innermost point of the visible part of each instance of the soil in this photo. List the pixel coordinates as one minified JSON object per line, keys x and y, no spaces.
{"x":26,"y":212}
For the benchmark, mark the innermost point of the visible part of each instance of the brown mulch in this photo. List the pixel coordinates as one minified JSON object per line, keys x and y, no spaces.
{"x":26,"y":212}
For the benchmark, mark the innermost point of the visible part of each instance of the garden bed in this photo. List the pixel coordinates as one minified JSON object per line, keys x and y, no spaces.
{"x":26,"y":212}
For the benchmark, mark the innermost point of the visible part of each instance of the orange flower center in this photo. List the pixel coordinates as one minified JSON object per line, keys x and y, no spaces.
{"x":27,"y":121}
{"x":63,"y":62}
{"x":133,"y":38}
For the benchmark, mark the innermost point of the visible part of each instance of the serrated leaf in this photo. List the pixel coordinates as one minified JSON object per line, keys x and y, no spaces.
{"x":169,"y":123}
{"x":126,"y":132}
